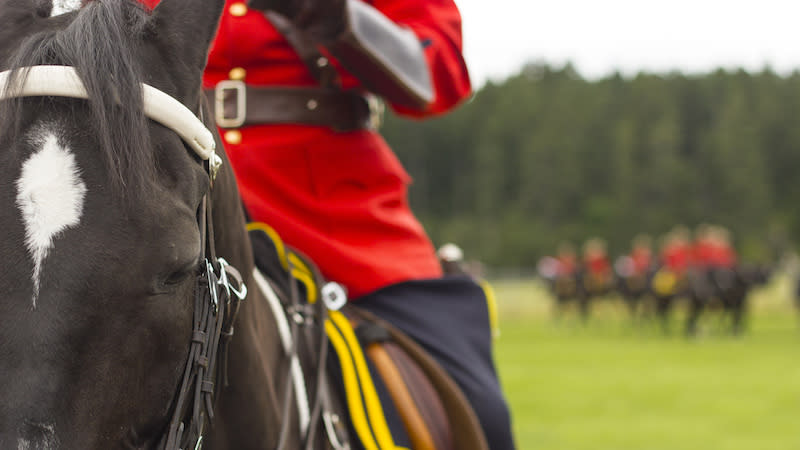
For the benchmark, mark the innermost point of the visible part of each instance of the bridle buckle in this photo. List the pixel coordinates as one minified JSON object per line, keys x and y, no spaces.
{"x":239,"y":90}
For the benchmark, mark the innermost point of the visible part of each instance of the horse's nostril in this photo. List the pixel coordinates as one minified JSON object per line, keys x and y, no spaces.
{"x":35,"y":435}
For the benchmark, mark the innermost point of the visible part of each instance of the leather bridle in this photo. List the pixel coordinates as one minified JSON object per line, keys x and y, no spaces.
{"x":218,"y":294}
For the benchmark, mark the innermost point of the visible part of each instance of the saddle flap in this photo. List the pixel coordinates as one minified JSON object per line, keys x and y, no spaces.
{"x":440,"y":404}
{"x":421,"y":409}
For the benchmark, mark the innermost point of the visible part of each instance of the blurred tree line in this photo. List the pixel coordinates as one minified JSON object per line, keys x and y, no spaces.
{"x":547,"y":156}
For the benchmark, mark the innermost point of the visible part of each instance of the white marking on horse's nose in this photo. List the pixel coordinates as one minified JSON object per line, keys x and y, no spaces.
{"x":38,"y":437}
{"x":50,"y":196}
{"x":64,"y":6}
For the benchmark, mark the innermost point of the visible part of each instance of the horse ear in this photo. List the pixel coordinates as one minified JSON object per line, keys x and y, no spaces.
{"x":18,"y":20}
{"x":187,"y":27}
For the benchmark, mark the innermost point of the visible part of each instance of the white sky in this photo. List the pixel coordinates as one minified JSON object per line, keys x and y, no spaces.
{"x":599,"y":36}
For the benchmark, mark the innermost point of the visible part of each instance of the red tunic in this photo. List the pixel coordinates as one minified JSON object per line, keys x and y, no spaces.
{"x":341,"y":198}
{"x":677,"y":257}
{"x":566,"y":265}
{"x":723,"y":255}
{"x":641,"y":258}
{"x":703,"y":253}
{"x":598,"y":264}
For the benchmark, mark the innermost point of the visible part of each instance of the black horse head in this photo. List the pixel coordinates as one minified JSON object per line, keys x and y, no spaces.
{"x":100,"y":219}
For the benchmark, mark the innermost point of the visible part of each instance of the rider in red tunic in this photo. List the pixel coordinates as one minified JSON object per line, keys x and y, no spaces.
{"x":641,"y":255}
{"x":338,"y":196}
{"x":597,"y":265}
{"x":703,"y":248}
{"x":677,"y":254}
{"x":567,"y":260}
{"x":296,"y":92}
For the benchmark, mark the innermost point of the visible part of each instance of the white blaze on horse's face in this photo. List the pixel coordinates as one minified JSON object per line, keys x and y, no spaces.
{"x":50,"y":196}
{"x":64,"y":6}
{"x":46,"y":440}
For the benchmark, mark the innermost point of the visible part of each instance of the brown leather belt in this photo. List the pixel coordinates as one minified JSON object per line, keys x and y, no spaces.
{"x":236,"y":104}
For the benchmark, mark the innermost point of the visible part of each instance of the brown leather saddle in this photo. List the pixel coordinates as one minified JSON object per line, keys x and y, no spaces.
{"x":394,"y":394}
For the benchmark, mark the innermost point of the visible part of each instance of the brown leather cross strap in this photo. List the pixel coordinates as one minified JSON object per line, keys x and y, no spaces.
{"x":468,"y":434}
{"x":420,"y":408}
{"x":236,"y":104}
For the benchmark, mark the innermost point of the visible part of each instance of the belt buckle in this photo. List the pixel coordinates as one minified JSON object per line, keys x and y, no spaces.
{"x":376,"y":111}
{"x":239,"y":88}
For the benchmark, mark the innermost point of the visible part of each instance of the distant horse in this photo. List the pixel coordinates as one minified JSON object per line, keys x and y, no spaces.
{"x":632,"y":286}
{"x":124,"y":319}
{"x":565,"y":287}
{"x":580,"y":288}
{"x":725,"y":290}
{"x":593,"y":287}
{"x":665,"y":288}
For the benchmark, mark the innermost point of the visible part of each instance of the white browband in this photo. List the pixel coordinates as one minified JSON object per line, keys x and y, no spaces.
{"x":63,"y":81}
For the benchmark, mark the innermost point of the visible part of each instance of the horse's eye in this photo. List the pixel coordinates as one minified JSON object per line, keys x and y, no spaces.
{"x":169,"y":281}
{"x":178,"y":277}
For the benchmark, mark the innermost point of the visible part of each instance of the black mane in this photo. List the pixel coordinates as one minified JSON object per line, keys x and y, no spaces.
{"x":100,"y":42}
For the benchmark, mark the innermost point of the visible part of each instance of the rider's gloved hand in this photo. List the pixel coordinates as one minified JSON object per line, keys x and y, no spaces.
{"x":324,"y":20}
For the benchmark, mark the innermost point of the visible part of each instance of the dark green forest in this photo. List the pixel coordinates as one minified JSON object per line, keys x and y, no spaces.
{"x":547,"y":155}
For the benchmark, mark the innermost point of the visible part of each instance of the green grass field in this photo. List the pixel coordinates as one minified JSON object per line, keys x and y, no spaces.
{"x":612,"y":384}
